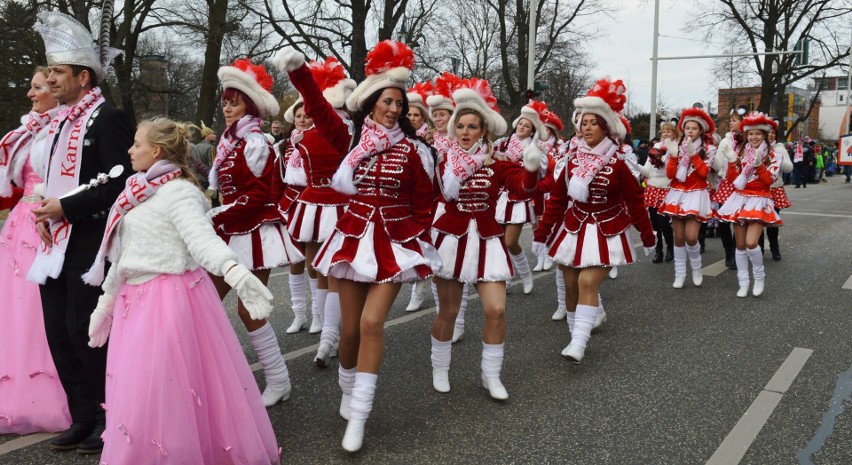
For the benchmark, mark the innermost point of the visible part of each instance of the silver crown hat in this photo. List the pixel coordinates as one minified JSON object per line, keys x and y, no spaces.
{"x":67,"y":42}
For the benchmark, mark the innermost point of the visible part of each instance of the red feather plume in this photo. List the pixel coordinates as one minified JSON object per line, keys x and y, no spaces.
{"x":614,"y":93}
{"x":258,"y":72}
{"x":626,"y":124}
{"x":446,"y":83}
{"x":327,"y":74}
{"x":481,"y":87}
{"x":698,"y":113}
{"x":425,"y":89}
{"x":540,"y":108}
{"x":555,"y":120}
{"x":386,"y":55}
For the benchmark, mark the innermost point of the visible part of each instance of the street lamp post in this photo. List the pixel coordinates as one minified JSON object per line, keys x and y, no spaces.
{"x":531,"y":46}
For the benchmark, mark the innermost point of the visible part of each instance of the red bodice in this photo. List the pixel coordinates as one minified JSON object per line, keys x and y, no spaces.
{"x":247,"y":199}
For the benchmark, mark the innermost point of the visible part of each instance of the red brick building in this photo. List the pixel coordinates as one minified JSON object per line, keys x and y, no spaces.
{"x":796,"y":105}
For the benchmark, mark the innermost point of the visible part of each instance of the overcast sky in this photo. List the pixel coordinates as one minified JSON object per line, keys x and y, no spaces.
{"x":625,"y":47}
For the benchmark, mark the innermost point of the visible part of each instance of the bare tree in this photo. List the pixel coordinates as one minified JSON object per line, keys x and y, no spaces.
{"x":777,"y":25}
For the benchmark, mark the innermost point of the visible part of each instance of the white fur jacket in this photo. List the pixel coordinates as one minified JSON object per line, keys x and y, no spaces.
{"x":169,"y":233}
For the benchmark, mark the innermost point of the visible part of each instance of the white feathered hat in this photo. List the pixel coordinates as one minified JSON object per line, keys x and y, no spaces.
{"x":252,"y":80}
{"x":442,"y":96}
{"x":388,"y":65}
{"x":535,"y":113}
{"x":758,"y":120}
{"x":605,"y":99}
{"x":475,"y":93}
{"x":418,"y":95}
{"x":67,"y":42}
{"x":331,"y":78}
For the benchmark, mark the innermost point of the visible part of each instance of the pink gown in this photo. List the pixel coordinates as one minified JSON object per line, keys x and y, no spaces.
{"x":31,"y":396}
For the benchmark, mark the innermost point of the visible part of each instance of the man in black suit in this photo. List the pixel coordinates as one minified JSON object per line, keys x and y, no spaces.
{"x":67,"y":301}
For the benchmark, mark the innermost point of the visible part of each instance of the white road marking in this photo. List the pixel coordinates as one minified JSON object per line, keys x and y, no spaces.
{"x":25,"y":441}
{"x":714,"y":269}
{"x":848,"y":283}
{"x":739,"y":439}
{"x":816,"y":214}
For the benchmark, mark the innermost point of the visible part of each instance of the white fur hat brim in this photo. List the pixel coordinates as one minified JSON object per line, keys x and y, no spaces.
{"x":439,"y":102}
{"x":290,"y":114}
{"x":468,"y":98}
{"x":392,"y":78}
{"x":597,"y":106}
{"x":234,"y":78}
{"x":531,"y":115}
{"x":701,"y":122}
{"x":416,"y":100}
{"x":337,"y":94}
{"x":762,"y":127}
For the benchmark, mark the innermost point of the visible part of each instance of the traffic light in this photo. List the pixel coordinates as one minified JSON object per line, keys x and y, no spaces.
{"x":538,"y":88}
{"x":802,"y":45}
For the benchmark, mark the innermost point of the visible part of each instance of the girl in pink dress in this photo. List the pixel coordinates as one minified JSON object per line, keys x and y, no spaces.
{"x":31,"y":396}
{"x":178,"y":386}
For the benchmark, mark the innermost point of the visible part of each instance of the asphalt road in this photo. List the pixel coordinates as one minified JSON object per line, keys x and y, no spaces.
{"x":669,"y":378}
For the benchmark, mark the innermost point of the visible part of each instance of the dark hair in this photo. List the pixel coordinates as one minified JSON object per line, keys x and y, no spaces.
{"x":93,"y":78}
{"x":704,"y":137}
{"x":359,"y":116}
{"x":486,"y":134}
{"x":290,"y":126}
{"x":232,"y":95}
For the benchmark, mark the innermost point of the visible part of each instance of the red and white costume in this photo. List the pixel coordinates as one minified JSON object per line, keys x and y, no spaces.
{"x":726,"y":153}
{"x":657,"y":182}
{"x":776,"y":190}
{"x":322,"y":148}
{"x":287,"y":192}
{"x":754,"y":201}
{"x":468,"y":237}
{"x":596,"y":232}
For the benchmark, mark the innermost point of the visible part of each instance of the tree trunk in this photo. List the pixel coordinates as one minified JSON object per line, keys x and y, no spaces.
{"x":359,"y":42}
{"x":218,"y":15}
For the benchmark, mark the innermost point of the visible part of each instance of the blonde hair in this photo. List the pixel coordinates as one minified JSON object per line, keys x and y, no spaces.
{"x":41,"y":70}
{"x":671,"y":127}
{"x":486,"y":136}
{"x":173,"y":140}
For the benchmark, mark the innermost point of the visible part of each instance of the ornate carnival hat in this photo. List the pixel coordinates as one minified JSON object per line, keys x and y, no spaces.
{"x":388,"y":65}
{"x":252,"y":80}
{"x":476,"y":94}
{"x":605,"y":99}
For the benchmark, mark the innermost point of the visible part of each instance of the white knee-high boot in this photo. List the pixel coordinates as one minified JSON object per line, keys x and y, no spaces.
{"x":346,"y":381}
{"x":492,"y":365}
{"x":742,"y":272}
{"x":458,"y":328}
{"x":584,"y":321}
{"x":317,"y":302}
{"x":679,"y":266}
{"x":330,"y":330}
{"x":694,"y":253}
{"x":522,"y":268}
{"x":435,"y":296}
{"x":298,"y":302}
{"x":559,"y":314}
{"x":359,"y":410}
{"x":755,"y":256}
{"x":418,"y":291}
{"x":275,"y":371}
{"x":441,"y":356}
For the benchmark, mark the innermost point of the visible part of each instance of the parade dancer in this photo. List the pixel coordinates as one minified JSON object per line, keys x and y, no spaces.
{"x":178,"y":386}
{"x":324,"y":87}
{"x":249,"y":220}
{"x":418,"y":114}
{"x":727,"y":149}
{"x":513,"y":212}
{"x":381,"y":241}
{"x":657,"y":186}
{"x":288,"y":181}
{"x":31,"y":396}
{"x":86,"y":139}
{"x":554,"y":125}
{"x":468,"y":237}
{"x":593,"y":233}
{"x":777,"y":191}
{"x":688,"y":201}
{"x":750,"y":208}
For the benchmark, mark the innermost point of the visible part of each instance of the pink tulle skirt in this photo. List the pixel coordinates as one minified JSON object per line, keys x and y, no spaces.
{"x":179,"y":388}
{"x":31,"y":396}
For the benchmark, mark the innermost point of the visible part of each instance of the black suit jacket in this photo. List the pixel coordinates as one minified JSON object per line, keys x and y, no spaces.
{"x":105,"y":145}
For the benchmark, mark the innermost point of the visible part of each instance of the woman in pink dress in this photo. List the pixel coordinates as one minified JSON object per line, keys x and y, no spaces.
{"x":178,"y":386}
{"x":31,"y":396}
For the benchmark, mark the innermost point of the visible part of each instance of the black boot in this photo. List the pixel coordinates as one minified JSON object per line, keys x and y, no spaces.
{"x":774,"y":247}
{"x":72,"y":438}
{"x":658,"y":257}
{"x":669,"y":253}
{"x":93,"y":444}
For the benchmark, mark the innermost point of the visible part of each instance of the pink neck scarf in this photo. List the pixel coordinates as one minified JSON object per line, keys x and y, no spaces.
{"x":589,"y":163}
{"x":64,"y":140}
{"x":16,"y":144}
{"x":424,"y":129}
{"x":751,"y":156}
{"x":138,"y":188}
{"x":515,"y":148}
{"x":687,"y":149}
{"x":800,"y":153}
{"x":375,"y":139}
{"x":228,"y":143}
{"x":461,"y":164}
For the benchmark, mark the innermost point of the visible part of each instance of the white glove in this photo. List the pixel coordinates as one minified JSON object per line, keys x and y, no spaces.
{"x":38,"y":189}
{"x":671,"y":147}
{"x":690,"y":149}
{"x":532,"y":158}
{"x":100,"y":322}
{"x":255,"y":296}
{"x":649,"y":250}
{"x":288,"y":59}
{"x":758,"y":159}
